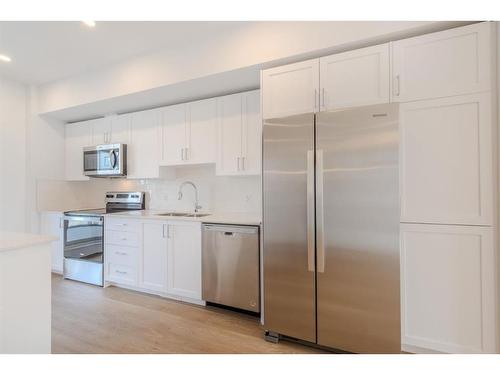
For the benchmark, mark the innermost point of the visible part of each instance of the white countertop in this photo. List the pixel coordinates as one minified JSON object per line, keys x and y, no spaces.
{"x":18,"y":240}
{"x":219,"y":218}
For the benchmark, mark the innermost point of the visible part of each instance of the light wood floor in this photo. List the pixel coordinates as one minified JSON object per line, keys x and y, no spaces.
{"x":90,"y":319}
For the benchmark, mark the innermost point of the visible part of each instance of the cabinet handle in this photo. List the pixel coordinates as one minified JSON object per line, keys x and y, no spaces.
{"x":120,"y":253}
{"x":121,"y":224}
{"x":182,"y":154}
{"x":315,"y":100}
{"x":396,"y":85}
{"x":122,"y":272}
{"x":124,"y":238}
{"x":186,"y":154}
{"x":323,"y":97}
{"x":238,"y":162}
{"x":168,"y":231}
{"x":242,"y":163}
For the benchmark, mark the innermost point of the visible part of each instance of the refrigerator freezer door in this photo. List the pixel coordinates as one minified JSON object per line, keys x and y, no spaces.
{"x":358,"y":308}
{"x":288,"y":235}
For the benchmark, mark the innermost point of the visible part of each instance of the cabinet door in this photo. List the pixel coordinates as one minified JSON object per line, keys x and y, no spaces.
{"x":355,"y":78}
{"x":446,"y":161}
{"x":229,"y":113}
{"x":201,"y":132}
{"x":184,"y":260}
{"x":290,"y":89}
{"x":144,"y":147}
{"x":173,"y":124}
{"x":451,"y":62}
{"x":52,"y":224}
{"x":101,"y":131}
{"x":154,"y":256}
{"x":120,"y":129}
{"x":251,"y":153}
{"x":447,"y":289}
{"x":77,"y":136}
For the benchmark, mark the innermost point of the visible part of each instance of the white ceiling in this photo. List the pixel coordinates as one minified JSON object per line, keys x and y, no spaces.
{"x":44,"y":51}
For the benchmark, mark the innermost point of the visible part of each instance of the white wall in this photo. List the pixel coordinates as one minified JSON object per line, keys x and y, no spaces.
{"x":256,"y":43}
{"x":45,"y":157}
{"x":12,"y":155}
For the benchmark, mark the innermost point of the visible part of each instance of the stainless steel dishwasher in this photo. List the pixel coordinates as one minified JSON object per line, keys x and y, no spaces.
{"x":231,"y":266}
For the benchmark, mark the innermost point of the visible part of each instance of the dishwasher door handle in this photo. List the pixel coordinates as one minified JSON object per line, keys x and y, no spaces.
{"x":230,"y":230}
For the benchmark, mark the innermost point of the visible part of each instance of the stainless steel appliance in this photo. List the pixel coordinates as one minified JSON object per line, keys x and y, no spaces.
{"x":84,"y":237}
{"x":105,"y":160}
{"x":331,"y":229}
{"x":230,"y":268}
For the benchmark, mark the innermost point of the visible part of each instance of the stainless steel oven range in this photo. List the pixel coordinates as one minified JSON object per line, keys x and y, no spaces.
{"x":84,"y":236}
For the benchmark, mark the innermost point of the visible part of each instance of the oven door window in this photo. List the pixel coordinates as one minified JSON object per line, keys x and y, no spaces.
{"x":83,"y":239}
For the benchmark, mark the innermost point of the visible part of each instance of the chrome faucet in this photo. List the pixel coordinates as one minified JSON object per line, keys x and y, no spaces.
{"x":196,"y":204}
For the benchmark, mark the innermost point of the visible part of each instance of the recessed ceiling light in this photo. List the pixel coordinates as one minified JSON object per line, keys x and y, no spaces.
{"x":89,"y":23}
{"x":5,"y":58}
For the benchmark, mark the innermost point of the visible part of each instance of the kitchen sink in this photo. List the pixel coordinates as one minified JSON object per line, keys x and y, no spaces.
{"x":174,"y":214}
{"x":182,"y":214}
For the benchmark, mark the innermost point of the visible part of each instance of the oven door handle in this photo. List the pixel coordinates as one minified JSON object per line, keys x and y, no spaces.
{"x":88,"y":219}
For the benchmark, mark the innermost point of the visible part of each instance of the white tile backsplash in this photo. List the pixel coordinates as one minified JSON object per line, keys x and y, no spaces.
{"x":216,"y":194}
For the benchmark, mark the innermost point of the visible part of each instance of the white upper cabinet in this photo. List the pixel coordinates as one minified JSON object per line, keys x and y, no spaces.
{"x":101,"y":131}
{"x":189,"y":133}
{"x":446,"y":63}
{"x":77,"y":136}
{"x":153,"y":275}
{"x":291,"y":89}
{"x":230,"y":134}
{"x":239,"y":134}
{"x":251,"y":142}
{"x":173,"y":125}
{"x":355,"y":78}
{"x":447,"y":289}
{"x":143,"y":150}
{"x":446,"y":161}
{"x":120,"y":129}
{"x":201,"y":132}
{"x":184,"y":259}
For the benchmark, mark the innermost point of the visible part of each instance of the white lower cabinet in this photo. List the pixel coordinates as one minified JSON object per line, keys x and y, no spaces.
{"x":447,"y":289}
{"x":51,"y":223}
{"x":154,"y":256}
{"x":184,"y":259}
{"x":161,"y":257}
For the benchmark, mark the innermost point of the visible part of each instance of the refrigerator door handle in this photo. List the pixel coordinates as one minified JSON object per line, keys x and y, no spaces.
{"x":310,"y":211}
{"x":320,"y":236}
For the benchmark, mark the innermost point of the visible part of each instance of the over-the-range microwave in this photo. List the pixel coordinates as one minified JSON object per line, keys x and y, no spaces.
{"x":105,"y":160}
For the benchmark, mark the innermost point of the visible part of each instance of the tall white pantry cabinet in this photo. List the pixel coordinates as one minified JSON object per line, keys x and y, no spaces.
{"x":445,"y":83}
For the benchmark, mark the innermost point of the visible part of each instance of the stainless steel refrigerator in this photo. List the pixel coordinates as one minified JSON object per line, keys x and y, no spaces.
{"x":331,"y":229}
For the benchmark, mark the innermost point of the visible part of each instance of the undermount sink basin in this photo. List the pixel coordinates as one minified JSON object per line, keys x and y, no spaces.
{"x":174,"y":214}
{"x":183,"y":214}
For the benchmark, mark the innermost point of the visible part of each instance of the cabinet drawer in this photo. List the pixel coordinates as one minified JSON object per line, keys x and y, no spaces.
{"x":122,"y":225}
{"x":124,"y":255}
{"x":121,"y":274}
{"x":122,"y":238}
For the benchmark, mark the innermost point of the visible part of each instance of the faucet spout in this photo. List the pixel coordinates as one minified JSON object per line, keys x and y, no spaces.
{"x":197,"y":207}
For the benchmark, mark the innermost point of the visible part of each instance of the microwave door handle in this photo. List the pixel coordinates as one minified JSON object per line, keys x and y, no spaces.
{"x":112,"y":154}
